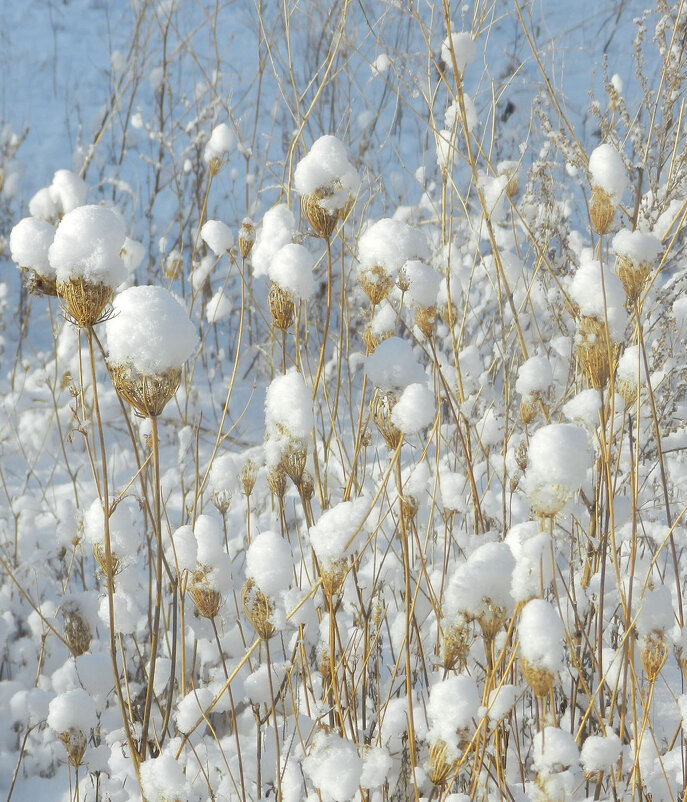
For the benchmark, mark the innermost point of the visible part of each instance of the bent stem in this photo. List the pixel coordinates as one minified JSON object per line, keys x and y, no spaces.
{"x":154,"y":639}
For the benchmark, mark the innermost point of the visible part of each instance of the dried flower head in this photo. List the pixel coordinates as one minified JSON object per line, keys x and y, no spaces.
{"x":257,"y":608}
{"x":381,"y":406}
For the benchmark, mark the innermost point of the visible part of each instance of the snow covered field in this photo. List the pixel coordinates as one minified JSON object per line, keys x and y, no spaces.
{"x":343,"y":382}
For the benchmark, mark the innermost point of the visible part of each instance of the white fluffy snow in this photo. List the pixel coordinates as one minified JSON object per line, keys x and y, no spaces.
{"x":219,"y":144}
{"x":584,"y":408}
{"x":291,"y":268}
{"x":87,"y":245}
{"x":73,"y":709}
{"x":218,"y":307}
{"x":453,"y":705}
{"x":277,"y":229}
{"x":30,"y":241}
{"x":423,"y":282}
{"x":269,"y":563}
{"x":326,"y":167}
{"x":600,"y":753}
{"x":163,"y":778}
{"x":149,"y":331}
{"x":288,"y":414}
{"x":483,"y":579}
{"x":334,"y":767}
{"x":336,"y":535}
{"x":599,"y":294}
{"x":534,"y":376}
{"x":639,"y":247}
{"x":217,"y":236}
{"x":389,"y":244}
{"x":460,"y":45}
{"x":554,"y":750}
{"x":540,"y":632}
{"x":393,"y":366}
{"x":608,"y":171}
{"x":415,"y":409}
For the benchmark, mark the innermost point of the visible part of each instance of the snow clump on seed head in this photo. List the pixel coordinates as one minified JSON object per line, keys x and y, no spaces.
{"x":291,"y":268}
{"x":462,"y":46}
{"x":30,"y":240}
{"x":163,"y":779}
{"x":608,"y":171}
{"x":336,"y":535}
{"x":149,"y":331}
{"x":557,"y":462}
{"x":219,"y":144}
{"x":326,"y":168}
{"x":87,"y":245}
{"x":453,"y":704}
{"x":393,"y":366}
{"x":269,"y":563}
{"x":278,"y":228}
{"x":288,"y":419}
{"x":334,"y":767}
{"x":540,"y":632}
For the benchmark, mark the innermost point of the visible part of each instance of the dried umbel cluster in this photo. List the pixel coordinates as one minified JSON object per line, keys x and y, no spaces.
{"x":77,"y":631}
{"x":441,"y":767}
{"x":74,"y":742}
{"x":148,"y":395}
{"x":109,"y":566}
{"x":636,"y":255}
{"x":149,"y":338}
{"x":539,"y":678}
{"x":248,"y":476}
{"x":246,"y":237}
{"x":609,"y":180}
{"x":456,"y":645}
{"x":207,"y":599}
{"x":257,"y":608}
{"x":653,"y":653}
{"x":281,"y":306}
{"x":601,"y":210}
{"x":381,"y":407}
{"x":333,"y":577}
{"x":376,"y":283}
{"x":595,"y":351}
{"x":323,"y":221}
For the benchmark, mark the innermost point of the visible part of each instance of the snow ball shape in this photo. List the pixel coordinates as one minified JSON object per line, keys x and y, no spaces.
{"x":149,"y":338}
{"x":85,"y":255}
{"x":30,"y":241}
{"x":557,"y":462}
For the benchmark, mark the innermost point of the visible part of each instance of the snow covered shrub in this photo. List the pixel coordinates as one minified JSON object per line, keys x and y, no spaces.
{"x":149,"y":338}
{"x":609,"y":181}
{"x":30,"y":241}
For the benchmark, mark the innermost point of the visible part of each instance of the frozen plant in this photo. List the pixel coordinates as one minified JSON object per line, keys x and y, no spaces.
{"x":217,"y":148}
{"x":72,"y":715}
{"x":149,"y":338}
{"x":609,"y":180}
{"x":540,"y":633}
{"x":288,"y":424}
{"x":30,"y":241}
{"x":217,"y":236}
{"x":327,"y":183}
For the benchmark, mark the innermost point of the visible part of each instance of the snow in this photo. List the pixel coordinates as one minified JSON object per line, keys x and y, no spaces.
{"x":217,"y":236}
{"x":599,"y":294}
{"x":73,"y":709}
{"x":554,"y":750}
{"x":452,"y":707}
{"x":291,"y":268}
{"x":30,"y":240}
{"x":638,"y":247}
{"x":333,"y":766}
{"x":480,"y":581}
{"x":600,"y":753}
{"x":423,"y":282}
{"x":86,"y":246}
{"x":608,"y":171}
{"x":501,"y":701}
{"x":269,"y":563}
{"x":277,"y":229}
{"x":326,"y":167}
{"x":220,"y":143}
{"x":460,"y":46}
{"x":393,"y":366}
{"x":218,"y":307}
{"x":415,"y":409}
{"x":584,"y":408}
{"x":540,"y":633}
{"x":288,"y":414}
{"x":149,"y":331}
{"x":162,"y":778}
{"x":389,"y":244}
{"x":534,"y":376}
{"x":339,"y":531}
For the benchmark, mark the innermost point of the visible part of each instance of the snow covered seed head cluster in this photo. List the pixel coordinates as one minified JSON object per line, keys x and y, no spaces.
{"x":217,"y":148}
{"x":269,"y":570}
{"x":211,"y":574}
{"x":85,"y":255}
{"x":535,"y":377}
{"x":540,"y":632}
{"x":654,"y":621}
{"x":327,"y":183}
{"x":290,"y":271}
{"x":30,"y":241}
{"x":383,"y":250}
{"x":557,"y":462}
{"x":149,"y":338}
{"x":288,"y":423}
{"x":609,"y":180}
{"x":452,"y":707}
{"x":636,"y":253}
{"x":72,"y":715}
{"x":65,"y":193}
{"x":246,"y":237}
{"x":600,"y":298}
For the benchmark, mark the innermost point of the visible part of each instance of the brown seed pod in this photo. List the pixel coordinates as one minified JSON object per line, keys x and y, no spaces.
{"x":322,"y":221}
{"x":376,"y":283}
{"x":528,"y":409}
{"x":491,"y":620}
{"x":653,"y":653}
{"x":246,"y":238}
{"x":334,"y":576}
{"x":456,"y":645}
{"x":381,"y":406}
{"x":207,"y":600}
{"x":281,"y":306}
{"x":538,"y":678}
{"x":248,"y":476}
{"x":222,"y":501}
{"x":592,"y":350}
{"x":276,"y":479}
{"x":440,"y":768}
{"x":633,"y":276}
{"x":293,"y":461}
{"x":77,"y":632}
{"x":148,"y":395}
{"x":37,"y":284}
{"x":258,"y":608}
{"x":111,"y":567}
{"x":74,"y":742}
{"x":84,"y":303}
{"x":601,"y":210}
{"x":426,"y":319}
